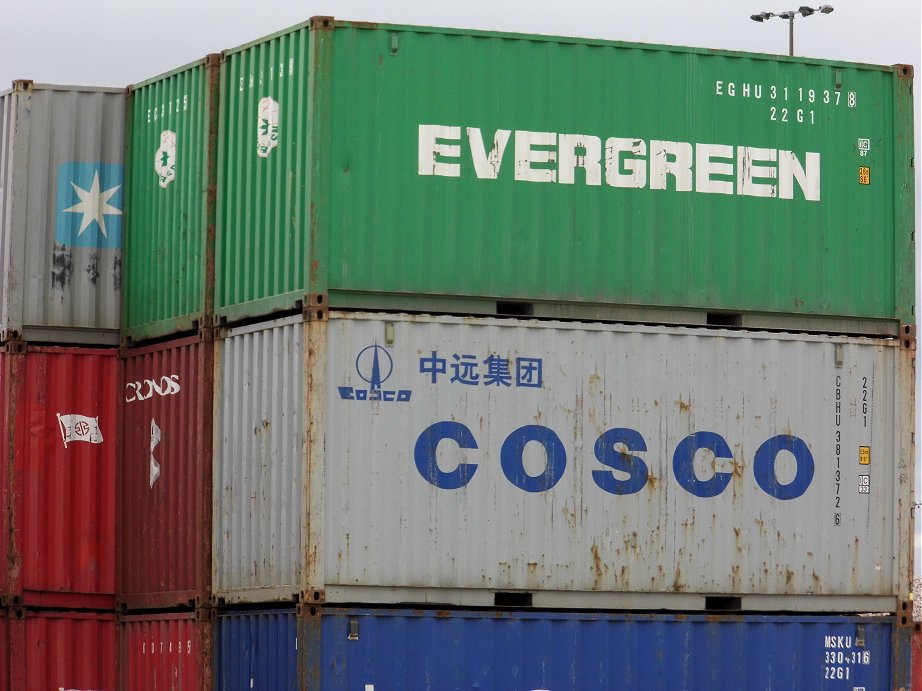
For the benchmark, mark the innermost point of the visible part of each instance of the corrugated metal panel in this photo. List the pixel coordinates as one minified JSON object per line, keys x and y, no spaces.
{"x":62,"y":480}
{"x":62,"y":650}
{"x":258,"y":466}
{"x":6,"y":470}
{"x":62,"y":213}
{"x":381,"y":649}
{"x":256,"y":650}
{"x":262,"y":245}
{"x":672,"y":460}
{"x":449,"y":163}
{"x":165,"y":652}
{"x":565,"y":460}
{"x":165,"y":500}
{"x":171,"y":178}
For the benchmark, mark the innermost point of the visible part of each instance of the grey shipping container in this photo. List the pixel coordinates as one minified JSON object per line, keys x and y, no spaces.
{"x":61,"y":171}
{"x":395,"y":458}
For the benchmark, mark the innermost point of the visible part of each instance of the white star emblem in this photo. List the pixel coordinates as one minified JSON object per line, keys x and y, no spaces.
{"x":94,"y":205}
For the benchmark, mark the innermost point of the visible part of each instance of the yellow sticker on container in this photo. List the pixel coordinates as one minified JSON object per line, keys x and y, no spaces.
{"x":864,"y":455}
{"x":864,"y":175}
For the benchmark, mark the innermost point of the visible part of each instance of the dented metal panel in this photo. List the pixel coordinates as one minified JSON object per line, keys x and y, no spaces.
{"x":171,"y":161}
{"x":61,"y":475}
{"x":62,"y":650}
{"x":402,"y":649}
{"x":450,"y":165}
{"x":164,"y":527}
{"x":165,"y":652}
{"x":451,"y":459}
{"x":61,"y":212}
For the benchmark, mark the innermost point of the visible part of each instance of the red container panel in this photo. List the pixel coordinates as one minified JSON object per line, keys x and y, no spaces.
{"x":62,"y":415}
{"x":165,"y":652}
{"x":50,"y":651}
{"x":4,"y":650}
{"x":165,"y":475}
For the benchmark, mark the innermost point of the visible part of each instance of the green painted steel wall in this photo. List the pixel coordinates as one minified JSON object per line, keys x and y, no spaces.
{"x":262,"y":248}
{"x":171,"y":184}
{"x":379,"y":225}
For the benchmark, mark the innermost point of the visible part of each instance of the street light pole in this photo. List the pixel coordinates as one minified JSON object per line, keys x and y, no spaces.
{"x":789,"y":15}
{"x":791,"y":35}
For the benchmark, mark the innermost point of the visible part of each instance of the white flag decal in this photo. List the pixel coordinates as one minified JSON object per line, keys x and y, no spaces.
{"x":154,"y":440}
{"x":79,"y":428}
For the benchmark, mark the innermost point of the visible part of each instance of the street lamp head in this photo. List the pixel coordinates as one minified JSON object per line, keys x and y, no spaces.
{"x":806,"y":11}
{"x":757,"y":17}
{"x":825,"y":9}
{"x":787,"y":15}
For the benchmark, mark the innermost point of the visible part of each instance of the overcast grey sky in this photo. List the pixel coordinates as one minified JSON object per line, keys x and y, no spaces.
{"x":114,"y":42}
{"x":118,"y":42}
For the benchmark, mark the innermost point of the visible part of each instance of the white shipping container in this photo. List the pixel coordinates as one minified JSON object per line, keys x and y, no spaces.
{"x":451,"y":459}
{"x":61,"y":202}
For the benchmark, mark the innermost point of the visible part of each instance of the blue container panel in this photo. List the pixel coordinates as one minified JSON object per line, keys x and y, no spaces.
{"x":438,"y":651}
{"x":257,"y":651}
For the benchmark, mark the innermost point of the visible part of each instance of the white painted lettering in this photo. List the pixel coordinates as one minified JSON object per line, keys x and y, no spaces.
{"x":789,"y":169}
{"x":629,"y":162}
{"x":749,"y":171}
{"x":626,"y":172}
{"x":486,"y":166}
{"x":706,"y":166}
{"x":431,"y":151}
{"x":527,"y":157}
{"x":670,"y":158}
{"x":589,"y":160}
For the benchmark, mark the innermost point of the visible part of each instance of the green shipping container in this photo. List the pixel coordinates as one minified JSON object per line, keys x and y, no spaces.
{"x":403,"y":167}
{"x":171,"y":171}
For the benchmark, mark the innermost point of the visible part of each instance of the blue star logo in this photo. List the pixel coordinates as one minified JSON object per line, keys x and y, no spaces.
{"x":89,"y":205}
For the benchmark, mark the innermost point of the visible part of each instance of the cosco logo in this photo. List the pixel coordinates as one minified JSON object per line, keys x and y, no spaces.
{"x":615,"y":449}
{"x":167,"y":385}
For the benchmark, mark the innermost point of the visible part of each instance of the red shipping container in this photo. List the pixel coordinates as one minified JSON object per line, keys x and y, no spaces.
{"x":60,"y":415}
{"x":62,"y":650}
{"x":166,"y":652}
{"x":4,"y":650}
{"x":164,"y":527}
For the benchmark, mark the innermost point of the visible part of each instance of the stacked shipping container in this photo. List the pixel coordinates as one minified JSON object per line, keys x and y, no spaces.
{"x":165,"y":506}
{"x":376,"y":457}
{"x":350,"y":449}
{"x":61,"y":207}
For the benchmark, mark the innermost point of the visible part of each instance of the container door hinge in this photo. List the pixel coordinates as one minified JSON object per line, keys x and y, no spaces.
{"x":908,"y":336}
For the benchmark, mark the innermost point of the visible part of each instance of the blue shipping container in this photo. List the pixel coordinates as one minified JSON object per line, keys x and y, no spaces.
{"x":257,"y":650}
{"x":409,"y":650}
